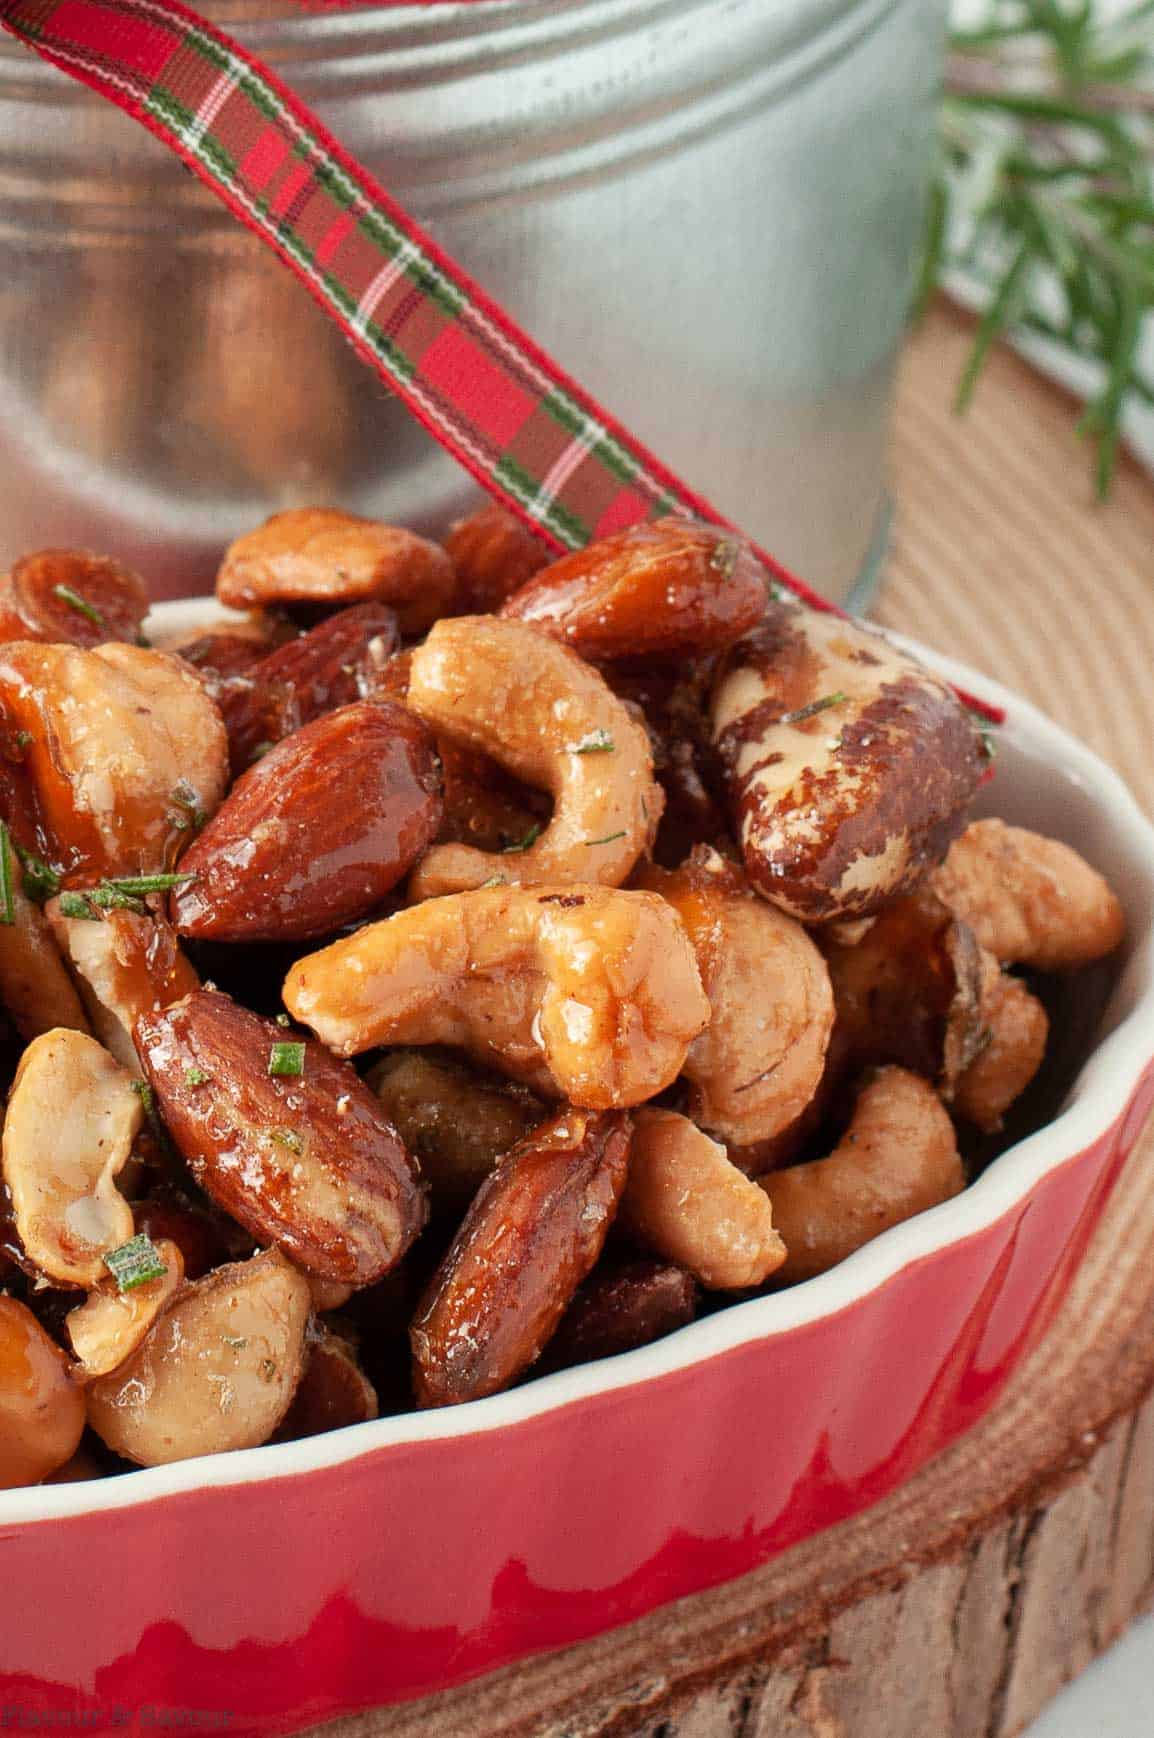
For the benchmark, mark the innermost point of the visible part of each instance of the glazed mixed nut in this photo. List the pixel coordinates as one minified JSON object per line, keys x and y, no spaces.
{"x":464,"y":965}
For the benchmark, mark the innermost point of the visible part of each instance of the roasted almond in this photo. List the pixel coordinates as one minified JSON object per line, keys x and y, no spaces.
{"x":620,"y":1308}
{"x":283,"y":1137}
{"x":663,"y":590}
{"x":533,"y":1232}
{"x":317,"y":832}
{"x":71,"y":597}
{"x":318,"y":555}
{"x":334,"y":664}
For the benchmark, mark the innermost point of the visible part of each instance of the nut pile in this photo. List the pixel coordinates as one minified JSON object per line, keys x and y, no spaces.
{"x":460,"y":966}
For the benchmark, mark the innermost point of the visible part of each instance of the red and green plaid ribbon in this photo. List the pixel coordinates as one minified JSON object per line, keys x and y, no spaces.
{"x":484,"y":390}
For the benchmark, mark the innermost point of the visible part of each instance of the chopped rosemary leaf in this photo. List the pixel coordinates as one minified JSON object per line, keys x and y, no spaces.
{"x":596,"y":742}
{"x":237,"y":1341}
{"x":24,"y":739}
{"x":286,"y":1137}
{"x":493,"y":881}
{"x":136,"y":885}
{"x":283,"y":1021}
{"x":196,"y":1077}
{"x":75,"y":905}
{"x":286,"y":1059}
{"x":41,"y":882}
{"x":147,"y":1097}
{"x":80,"y":604}
{"x":7,"y":897}
{"x":530,"y":838}
{"x":608,"y":839}
{"x":135,"y":1262}
{"x":812,"y":710}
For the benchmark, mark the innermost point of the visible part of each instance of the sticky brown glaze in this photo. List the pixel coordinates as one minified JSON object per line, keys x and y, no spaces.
{"x":317,"y":832}
{"x":334,"y":664}
{"x":532,"y":1234}
{"x":308,"y":1162}
{"x":69,"y":596}
{"x":663,"y":590}
{"x":841,"y":808}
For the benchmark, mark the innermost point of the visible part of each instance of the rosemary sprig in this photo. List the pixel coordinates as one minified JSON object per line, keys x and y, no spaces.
{"x":1044,"y":197}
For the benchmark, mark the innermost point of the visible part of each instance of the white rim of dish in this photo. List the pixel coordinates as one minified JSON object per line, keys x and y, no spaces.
{"x":1102,"y":1091}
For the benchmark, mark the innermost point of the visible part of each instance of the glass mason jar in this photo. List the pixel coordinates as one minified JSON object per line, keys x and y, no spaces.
{"x":707,"y":209}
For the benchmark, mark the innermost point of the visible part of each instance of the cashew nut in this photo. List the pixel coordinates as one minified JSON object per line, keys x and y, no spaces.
{"x":217,"y":1371}
{"x":109,"y":1325}
{"x":758,"y":1062}
{"x":126,"y":749}
{"x":71,"y":1122}
{"x":687,"y":1203}
{"x":1029,"y":900}
{"x":319,"y":555}
{"x":126,"y":965}
{"x":550,"y":720}
{"x":455,"y":1120}
{"x":849,"y":765}
{"x":1016,"y":1028}
{"x":41,"y":1408}
{"x":584,"y":992}
{"x":897,"y":1158}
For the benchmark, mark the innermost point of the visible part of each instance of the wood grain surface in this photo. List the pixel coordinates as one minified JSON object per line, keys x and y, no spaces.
{"x":960,"y":1605}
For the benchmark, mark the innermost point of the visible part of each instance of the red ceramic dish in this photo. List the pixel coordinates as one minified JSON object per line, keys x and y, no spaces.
{"x":292,"y":1583}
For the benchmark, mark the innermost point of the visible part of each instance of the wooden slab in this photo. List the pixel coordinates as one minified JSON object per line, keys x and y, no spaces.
{"x":959,"y":1606}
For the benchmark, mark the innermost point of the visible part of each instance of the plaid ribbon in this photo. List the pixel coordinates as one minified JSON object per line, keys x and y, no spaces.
{"x":482,"y":388}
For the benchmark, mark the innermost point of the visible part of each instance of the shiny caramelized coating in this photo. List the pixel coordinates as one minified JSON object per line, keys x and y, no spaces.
{"x":909,"y":991}
{"x":41,"y":1408}
{"x":551,"y":721}
{"x":664,"y":590}
{"x":316,"y":833}
{"x":337,"y":662}
{"x":620,"y":1308}
{"x":759,"y":1061}
{"x":1029,"y":900}
{"x":585,"y":993}
{"x":72,"y":1118}
{"x":295,"y":1148}
{"x":685,"y":1202}
{"x":494,"y":554}
{"x":897,"y":1158}
{"x":317,"y":555}
{"x":125,"y":749}
{"x":849,"y":765}
{"x":333,"y":1391}
{"x":454,"y":1119}
{"x":110,"y":1324}
{"x":533,"y":1232}
{"x":125,"y":965}
{"x":217,"y":1371}
{"x":69,"y":596}
{"x":1015,"y":1028}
